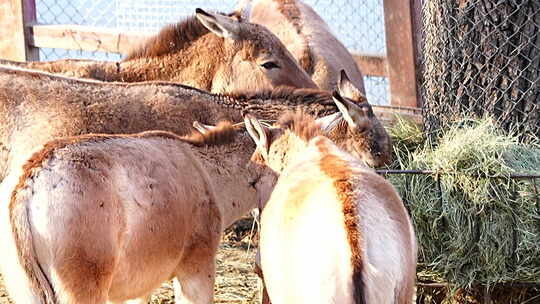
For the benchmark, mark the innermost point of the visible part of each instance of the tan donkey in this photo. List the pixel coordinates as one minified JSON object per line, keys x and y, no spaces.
{"x":333,"y":231}
{"x":307,"y":36}
{"x":36,"y":107}
{"x":108,"y":218}
{"x":100,"y":218}
{"x":211,"y":52}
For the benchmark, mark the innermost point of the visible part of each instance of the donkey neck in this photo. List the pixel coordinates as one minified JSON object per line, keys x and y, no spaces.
{"x":231,"y":176}
{"x":289,"y":149}
{"x":285,"y":20}
{"x":194,"y":65}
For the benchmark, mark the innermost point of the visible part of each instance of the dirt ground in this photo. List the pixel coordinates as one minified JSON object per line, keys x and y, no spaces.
{"x":235,"y":282}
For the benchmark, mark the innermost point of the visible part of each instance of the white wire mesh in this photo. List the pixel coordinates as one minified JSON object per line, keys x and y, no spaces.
{"x":358,"y":24}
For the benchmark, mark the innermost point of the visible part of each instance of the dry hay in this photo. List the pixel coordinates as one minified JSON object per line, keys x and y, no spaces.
{"x":4,"y":299}
{"x":236,"y":283}
{"x":482,"y":231}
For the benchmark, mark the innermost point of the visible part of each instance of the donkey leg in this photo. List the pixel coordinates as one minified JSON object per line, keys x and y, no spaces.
{"x":197,"y":287}
{"x":141,"y":300}
{"x":265,"y":299}
{"x":82,"y":275}
{"x":195,"y":277}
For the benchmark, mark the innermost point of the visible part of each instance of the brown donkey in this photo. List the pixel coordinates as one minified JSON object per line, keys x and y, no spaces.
{"x":36,"y":107}
{"x":333,"y":231}
{"x":108,"y":218}
{"x":307,"y":36}
{"x":211,"y":52}
{"x":77,"y":203}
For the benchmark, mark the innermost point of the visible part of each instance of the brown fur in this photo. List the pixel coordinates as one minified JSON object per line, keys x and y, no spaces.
{"x":315,"y":158}
{"x":314,"y":102}
{"x":285,"y":91}
{"x":301,"y":124}
{"x":223,"y":134}
{"x":188,"y":53}
{"x":381,"y":188}
{"x":37,"y":107}
{"x":369,"y":135}
{"x":308,"y":38}
{"x":304,"y":126}
{"x":170,"y":39}
{"x":78,"y":259}
{"x":290,"y":10}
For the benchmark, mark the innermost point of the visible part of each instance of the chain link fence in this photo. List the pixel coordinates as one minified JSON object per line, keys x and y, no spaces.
{"x":482,"y":57}
{"x":358,"y":24}
{"x":81,"y":12}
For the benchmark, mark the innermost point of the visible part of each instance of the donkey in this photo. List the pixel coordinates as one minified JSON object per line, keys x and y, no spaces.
{"x":211,"y":52}
{"x":36,"y":107}
{"x":107,"y":218}
{"x":308,"y":38}
{"x":333,"y":231}
{"x":131,"y":180}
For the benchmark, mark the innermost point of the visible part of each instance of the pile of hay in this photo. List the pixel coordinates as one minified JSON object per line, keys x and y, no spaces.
{"x":485,"y":227}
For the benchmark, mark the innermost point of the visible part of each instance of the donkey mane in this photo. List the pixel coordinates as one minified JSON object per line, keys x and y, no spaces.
{"x":301,"y":124}
{"x":294,"y":95}
{"x":171,"y":38}
{"x":278,"y":100}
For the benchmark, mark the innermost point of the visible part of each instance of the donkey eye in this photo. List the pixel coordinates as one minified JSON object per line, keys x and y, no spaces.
{"x":270,"y":65}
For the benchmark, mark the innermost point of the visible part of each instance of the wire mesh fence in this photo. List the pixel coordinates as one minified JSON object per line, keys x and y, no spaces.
{"x":482,"y":57}
{"x":81,"y":12}
{"x":358,"y":24}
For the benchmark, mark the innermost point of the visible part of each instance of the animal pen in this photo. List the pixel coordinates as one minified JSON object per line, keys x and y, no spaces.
{"x":439,"y":60}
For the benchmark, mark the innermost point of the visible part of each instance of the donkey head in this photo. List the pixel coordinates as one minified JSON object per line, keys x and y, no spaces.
{"x":358,"y":131}
{"x":255,"y":58}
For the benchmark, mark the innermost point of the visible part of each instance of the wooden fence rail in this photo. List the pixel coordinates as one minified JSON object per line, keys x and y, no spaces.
{"x":21,"y":37}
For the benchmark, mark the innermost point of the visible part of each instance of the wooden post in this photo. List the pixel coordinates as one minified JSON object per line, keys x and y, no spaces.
{"x":15,"y":15}
{"x":401,"y":52}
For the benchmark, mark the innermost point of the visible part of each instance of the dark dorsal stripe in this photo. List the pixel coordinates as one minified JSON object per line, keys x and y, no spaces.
{"x":291,"y":12}
{"x":340,"y":172}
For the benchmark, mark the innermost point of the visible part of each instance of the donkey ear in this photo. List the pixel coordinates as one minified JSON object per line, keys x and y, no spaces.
{"x":218,"y":24}
{"x":347,"y":89}
{"x":344,"y":107}
{"x":258,"y":134}
{"x":358,"y":117}
{"x":327,"y":122}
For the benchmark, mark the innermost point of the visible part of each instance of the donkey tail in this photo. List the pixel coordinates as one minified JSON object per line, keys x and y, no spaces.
{"x":39,"y":285}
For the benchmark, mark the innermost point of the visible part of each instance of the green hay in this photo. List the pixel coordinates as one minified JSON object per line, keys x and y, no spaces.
{"x":485,"y":227}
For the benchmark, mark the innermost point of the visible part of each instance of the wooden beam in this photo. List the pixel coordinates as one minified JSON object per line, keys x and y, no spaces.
{"x":371,"y":65}
{"x":78,"y":37}
{"x":400,"y":49}
{"x":14,"y":15}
